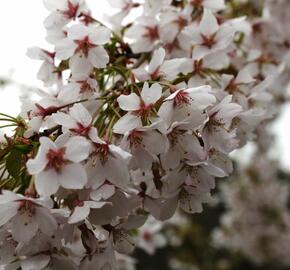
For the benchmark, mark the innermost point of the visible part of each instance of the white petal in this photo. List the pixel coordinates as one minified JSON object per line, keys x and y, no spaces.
{"x":80,"y":213}
{"x":152,"y":94}
{"x":46,"y":182}
{"x":46,"y":222}
{"x":208,"y":24}
{"x":129,"y":102}
{"x":100,"y":36}
{"x":81,"y":114}
{"x":78,"y":32}
{"x":38,"y":164}
{"x":214,"y":4}
{"x":127,"y":123}
{"x":103,"y":193}
{"x":73,"y":176}
{"x":8,"y":196}
{"x":7,"y":211}
{"x":99,"y":57}
{"x":95,"y":205}
{"x":35,"y":262}
{"x":35,"y":166}
{"x":53,"y":5}
{"x":55,"y":21}
{"x":119,"y":152}
{"x":157,"y":60}
{"x":64,"y":120}
{"x":117,"y":172}
{"x":35,"y":53}
{"x":77,"y":149}
{"x":65,"y":49}
{"x":80,"y":65}
{"x":161,"y":209}
{"x":24,"y":227}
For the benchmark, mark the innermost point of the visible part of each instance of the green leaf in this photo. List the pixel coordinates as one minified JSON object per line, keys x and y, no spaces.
{"x":25,"y":149}
{"x":13,"y":163}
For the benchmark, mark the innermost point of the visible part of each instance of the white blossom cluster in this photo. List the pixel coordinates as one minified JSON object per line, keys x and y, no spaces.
{"x":257,"y":222}
{"x":133,"y":125}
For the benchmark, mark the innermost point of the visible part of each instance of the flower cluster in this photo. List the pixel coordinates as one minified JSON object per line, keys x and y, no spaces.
{"x":255,"y":224}
{"x":133,"y":124}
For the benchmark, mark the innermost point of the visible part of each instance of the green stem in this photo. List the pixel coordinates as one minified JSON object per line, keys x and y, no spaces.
{"x":14,"y":125}
{"x":8,"y":116}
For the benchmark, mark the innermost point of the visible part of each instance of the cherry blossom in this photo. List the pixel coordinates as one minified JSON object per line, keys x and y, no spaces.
{"x":46,"y":72}
{"x":209,"y":37}
{"x":57,"y":164}
{"x":145,"y":34}
{"x":78,"y":121}
{"x":26,"y":216}
{"x":83,"y":47}
{"x":139,"y":108}
{"x":63,"y":11}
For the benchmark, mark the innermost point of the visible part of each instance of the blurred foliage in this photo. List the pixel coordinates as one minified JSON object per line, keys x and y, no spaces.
{"x":3,"y":82}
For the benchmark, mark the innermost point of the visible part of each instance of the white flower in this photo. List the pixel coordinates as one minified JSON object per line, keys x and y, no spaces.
{"x":145,"y":34}
{"x":153,"y":71}
{"x":63,"y":11}
{"x":78,"y":121}
{"x":124,"y":7}
{"x":217,"y":132}
{"x":186,"y":104}
{"x":83,"y":47}
{"x":209,"y":37}
{"x":82,"y":210}
{"x":26,"y":215}
{"x":46,"y":72}
{"x":58,"y":164}
{"x":191,"y":200}
{"x":145,"y":144}
{"x":108,"y":162}
{"x":139,"y":107}
{"x":150,"y":237}
{"x":80,"y":87}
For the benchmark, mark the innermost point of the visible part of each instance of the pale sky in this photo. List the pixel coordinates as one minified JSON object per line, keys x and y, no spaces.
{"x":21,"y":27}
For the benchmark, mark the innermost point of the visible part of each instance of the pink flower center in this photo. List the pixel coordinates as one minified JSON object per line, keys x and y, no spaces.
{"x":84,"y":46}
{"x":71,"y":11}
{"x":172,"y":45}
{"x":85,"y":87}
{"x":147,"y":236}
{"x":50,"y":54}
{"x":135,"y":138}
{"x":151,"y":33}
{"x":197,"y":66}
{"x":86,"y":18}
{"x":78,"y":203}
{"x":43,"y":112}
{"x":208,"y":41}
{"x":81,"y":129}
{"x":26,"y":206}
{"x":144,"y":110}
{"x":56,"y":159}
{"x":196,"y":3}
{"x":155,"y":74}
{"x":181,"y":97}
{"x":102,"y":150}
{"x":174,"y":134}
{"x":214,"y":123}
{"x":181,"y":22}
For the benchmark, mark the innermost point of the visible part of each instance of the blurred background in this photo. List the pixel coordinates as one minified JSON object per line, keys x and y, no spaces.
{"x":21,"y":27}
